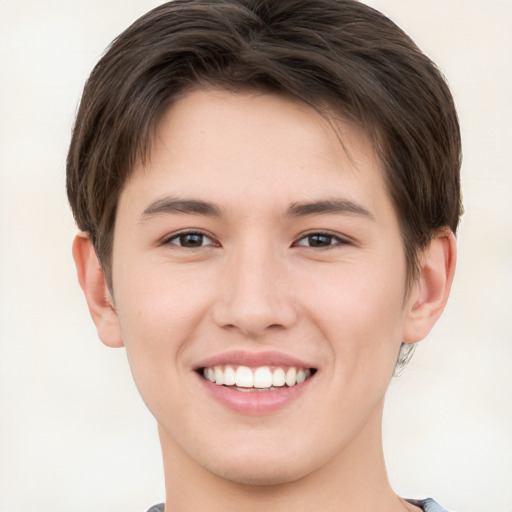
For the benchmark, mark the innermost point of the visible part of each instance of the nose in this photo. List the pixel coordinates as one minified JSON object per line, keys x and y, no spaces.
{"x":254,"y":295}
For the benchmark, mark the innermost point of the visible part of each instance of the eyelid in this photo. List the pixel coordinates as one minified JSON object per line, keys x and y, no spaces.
{"x":341,"y":239}
{"x":167,"y":240}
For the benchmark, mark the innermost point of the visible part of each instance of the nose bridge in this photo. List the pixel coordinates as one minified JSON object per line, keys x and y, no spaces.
{"x":253,"y":298}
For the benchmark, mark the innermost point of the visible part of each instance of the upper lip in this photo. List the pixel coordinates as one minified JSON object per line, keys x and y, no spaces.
{"x":253,"y":359}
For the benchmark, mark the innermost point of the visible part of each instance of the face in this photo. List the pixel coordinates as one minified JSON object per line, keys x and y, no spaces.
{"x":259,"y":283}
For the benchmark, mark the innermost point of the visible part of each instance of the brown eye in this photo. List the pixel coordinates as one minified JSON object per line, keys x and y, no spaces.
{"x":320,"y":240}
{"x":190,"y":240}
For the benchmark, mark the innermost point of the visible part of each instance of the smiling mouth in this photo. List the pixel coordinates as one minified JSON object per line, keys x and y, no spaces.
{"x":263,"y":378}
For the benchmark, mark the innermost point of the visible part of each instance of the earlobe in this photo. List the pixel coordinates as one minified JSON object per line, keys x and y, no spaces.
{"x":97,"y":294}
{"x":430,"y":292}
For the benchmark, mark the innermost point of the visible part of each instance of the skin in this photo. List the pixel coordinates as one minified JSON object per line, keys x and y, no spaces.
{"x":257,"y":282}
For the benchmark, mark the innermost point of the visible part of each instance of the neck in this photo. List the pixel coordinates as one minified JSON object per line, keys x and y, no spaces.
{"x":354,"y":479}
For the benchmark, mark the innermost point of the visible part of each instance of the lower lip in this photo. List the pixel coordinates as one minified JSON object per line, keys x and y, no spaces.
{"x":254,"y":403}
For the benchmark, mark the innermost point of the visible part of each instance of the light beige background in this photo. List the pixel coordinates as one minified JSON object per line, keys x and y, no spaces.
{"x":74,"y":435}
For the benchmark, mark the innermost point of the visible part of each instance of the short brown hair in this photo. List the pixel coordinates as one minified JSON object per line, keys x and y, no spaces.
{"x":339,"y":56}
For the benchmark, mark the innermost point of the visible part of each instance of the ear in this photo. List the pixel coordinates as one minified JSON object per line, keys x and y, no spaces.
{"x":93,"y":283}
{"x":429,"y":294}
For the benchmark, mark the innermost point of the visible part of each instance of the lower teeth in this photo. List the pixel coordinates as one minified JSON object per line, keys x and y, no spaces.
{"x":250,"y":390}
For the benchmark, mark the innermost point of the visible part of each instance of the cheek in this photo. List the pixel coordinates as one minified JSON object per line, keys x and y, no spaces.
{"x":158,"y":312}
{"x":360,"y":311}
{"x":160,"y":296}
{"x":158,"y":318}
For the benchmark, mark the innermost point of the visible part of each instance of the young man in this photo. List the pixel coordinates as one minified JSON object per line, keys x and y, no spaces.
{"x":267,"y":193}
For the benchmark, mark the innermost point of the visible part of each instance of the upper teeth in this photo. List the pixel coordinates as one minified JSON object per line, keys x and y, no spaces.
{"x":262,"y":377}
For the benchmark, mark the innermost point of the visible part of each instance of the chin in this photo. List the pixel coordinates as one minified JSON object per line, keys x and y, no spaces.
{"x":262,"y":475}
{"x":264,"y":468}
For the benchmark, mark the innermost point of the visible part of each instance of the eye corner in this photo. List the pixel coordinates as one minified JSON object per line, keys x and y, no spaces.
{"x":321,"y":240}
{"x":196,"y":240}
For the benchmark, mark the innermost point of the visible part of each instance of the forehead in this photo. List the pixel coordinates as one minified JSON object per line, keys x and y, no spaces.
{"x":250,"y":146}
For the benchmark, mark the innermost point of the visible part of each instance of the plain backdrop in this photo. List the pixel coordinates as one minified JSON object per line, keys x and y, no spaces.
{"x":74,"y":434}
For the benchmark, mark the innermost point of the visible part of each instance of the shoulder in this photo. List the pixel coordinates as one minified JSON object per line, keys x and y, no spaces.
{"x":157,"y":508}
{"x":428,"y":505}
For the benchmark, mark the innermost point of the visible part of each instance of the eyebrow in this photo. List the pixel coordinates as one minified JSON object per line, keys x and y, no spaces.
{"x":338,"y":206}
{"x":172,"y":205}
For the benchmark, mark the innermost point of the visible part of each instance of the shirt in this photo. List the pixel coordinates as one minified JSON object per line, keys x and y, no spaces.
{"x":428,"y":505}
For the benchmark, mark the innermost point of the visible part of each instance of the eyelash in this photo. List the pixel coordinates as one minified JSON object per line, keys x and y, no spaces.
{"x":183,"y":234}
{"x":326,"y":234}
